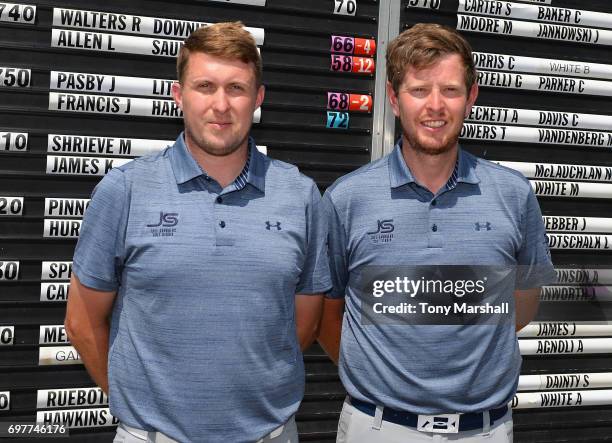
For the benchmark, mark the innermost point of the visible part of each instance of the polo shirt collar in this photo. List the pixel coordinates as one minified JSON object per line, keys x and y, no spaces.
{"x":257,"y":167}
{"x":186,"y":168}
{"x":400,"y":174}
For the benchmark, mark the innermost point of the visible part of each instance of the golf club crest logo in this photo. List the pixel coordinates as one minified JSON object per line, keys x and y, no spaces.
{"x":383,"y":232}
{"x":165,"y":225}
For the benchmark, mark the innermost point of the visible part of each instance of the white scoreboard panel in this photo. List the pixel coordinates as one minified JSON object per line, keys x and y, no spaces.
{"x":545,"y":83}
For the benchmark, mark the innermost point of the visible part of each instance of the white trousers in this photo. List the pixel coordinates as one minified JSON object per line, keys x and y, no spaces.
{"x":286,"y":433}
{"x":357,"y":427}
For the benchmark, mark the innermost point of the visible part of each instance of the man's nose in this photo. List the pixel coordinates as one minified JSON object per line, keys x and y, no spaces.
{"x":220,"y":101}
{"x":435,"y":100}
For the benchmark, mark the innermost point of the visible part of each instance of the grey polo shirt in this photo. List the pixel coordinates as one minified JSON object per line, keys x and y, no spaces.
{"x":203,"y":345}
{"x":380,"y":216}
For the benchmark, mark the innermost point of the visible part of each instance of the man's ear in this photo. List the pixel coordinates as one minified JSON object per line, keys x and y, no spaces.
{"x":261,"y":93}
{"x":393,"y":99}
{"x":473,"y":94}
{"x":177,"y":94}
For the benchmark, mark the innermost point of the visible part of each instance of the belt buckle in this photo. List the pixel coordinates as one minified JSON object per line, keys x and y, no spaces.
{"x":439,"y":423}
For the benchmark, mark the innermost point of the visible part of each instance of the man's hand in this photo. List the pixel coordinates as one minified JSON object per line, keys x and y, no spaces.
{"x":87,"y":325}
{"x":331,"y":327}
{"x":526,"y":304}
{"x":307,"y":318}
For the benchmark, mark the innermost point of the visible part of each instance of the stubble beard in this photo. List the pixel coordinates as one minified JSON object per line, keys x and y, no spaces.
{"x":212,"y":149}
{"x":414,"y":143}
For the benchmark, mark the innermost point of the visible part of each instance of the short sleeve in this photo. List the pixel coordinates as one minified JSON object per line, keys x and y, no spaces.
{"x":535,"y":268}
{"x":98,"y":257}
{"x":315,"y":277}
{"x":336,"y":246}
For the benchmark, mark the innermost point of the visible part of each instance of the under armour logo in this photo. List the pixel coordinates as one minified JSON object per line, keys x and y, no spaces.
{"x":440,"y":423}
{"x":482,"y":226}
{"x":269,"y":225}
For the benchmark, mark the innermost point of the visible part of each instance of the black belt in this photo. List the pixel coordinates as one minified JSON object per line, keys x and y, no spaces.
{"x":467,"y":422}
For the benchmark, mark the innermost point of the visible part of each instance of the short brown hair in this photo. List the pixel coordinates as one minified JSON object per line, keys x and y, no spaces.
{"x":423,"y":45}
{"x":227,"y":40}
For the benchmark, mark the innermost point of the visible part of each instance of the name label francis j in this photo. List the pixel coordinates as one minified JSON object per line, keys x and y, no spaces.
{"x":58,"y":355}
{"x":531,"y":117}
{"x":505,"y":62}
{"x":106,"y":104}
{"x":536,"y":13}
{"x":78,"y":418}
{"x":52,"y":335}
{"x":7,"y":335}
{"x":70,"y":398}
{"x":134,"y":24}
{"x":542,"y":31}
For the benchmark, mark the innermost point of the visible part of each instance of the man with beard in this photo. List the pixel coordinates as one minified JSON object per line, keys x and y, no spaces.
{"x":197,"y":253}
{"x":427,"y":206}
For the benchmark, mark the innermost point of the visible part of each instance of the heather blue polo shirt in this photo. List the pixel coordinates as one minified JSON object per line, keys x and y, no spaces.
{"x":203,"y":345}
{"x":489,"y":216}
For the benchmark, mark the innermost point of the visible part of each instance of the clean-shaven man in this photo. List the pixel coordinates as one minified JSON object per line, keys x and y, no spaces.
{"x":183,"y":300}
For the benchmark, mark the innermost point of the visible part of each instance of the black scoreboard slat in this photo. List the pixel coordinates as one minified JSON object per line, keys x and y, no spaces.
{"x":84,"y":88}
{"x":539,"y":64}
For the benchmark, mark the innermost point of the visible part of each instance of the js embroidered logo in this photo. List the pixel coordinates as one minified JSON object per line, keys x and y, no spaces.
{"x":482,"y":226}
{"x":269,"y":225}
{"x":164,"y":227}
{"x":383,"y":233}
